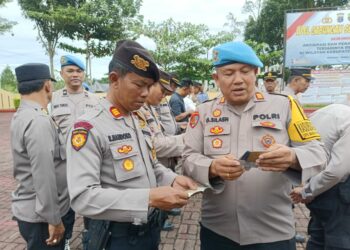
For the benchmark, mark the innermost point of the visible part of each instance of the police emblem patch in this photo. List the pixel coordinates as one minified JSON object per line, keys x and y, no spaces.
{"x":63,"y":60}
{"x":115,"y":112}
{"x":216,"y":130}
{"x":267,"y":141}
{"x":217,"y":143}
{"x":125,"y":149}
{"x":216,"y":112}
{"x":128,"y":164}
{"x":79,"y":138}
{"x":268,"y":124}
{"x":140,"y":63}
{"x":194,"y":119}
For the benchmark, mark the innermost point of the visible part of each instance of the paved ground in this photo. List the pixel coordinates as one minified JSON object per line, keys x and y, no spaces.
{"x":184,"y":236}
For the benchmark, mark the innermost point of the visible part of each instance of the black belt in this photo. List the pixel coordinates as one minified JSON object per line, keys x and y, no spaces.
{"x":122,"y":229}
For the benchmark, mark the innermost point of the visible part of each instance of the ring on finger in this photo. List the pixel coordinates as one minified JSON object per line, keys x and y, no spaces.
{"x":228,"y":175}
{"x":54,"y":241}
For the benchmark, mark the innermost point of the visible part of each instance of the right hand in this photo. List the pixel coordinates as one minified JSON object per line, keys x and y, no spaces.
{"x":56,"y":233}
{"x":227,"y":168}
{"x":167,"y":198}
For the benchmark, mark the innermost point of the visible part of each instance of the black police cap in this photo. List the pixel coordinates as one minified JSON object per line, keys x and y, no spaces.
{"x":270,"y":75}
{"x":136,"y":58}
{"x":164,"y":80}
{"x":304,"y":72}
{"x":31,"y":73}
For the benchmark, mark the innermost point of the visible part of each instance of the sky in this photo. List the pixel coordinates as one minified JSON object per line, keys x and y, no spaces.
{"x":21,"y":45}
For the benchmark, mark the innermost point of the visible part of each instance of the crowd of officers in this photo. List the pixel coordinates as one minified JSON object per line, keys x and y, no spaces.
{"x":122,"y":160}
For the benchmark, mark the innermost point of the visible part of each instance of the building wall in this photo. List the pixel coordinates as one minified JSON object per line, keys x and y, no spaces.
{"x":7,"y":100}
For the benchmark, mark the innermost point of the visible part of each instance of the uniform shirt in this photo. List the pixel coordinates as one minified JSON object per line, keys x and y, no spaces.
{"x":166,"y":146}
{"x":256,"y":207}
{"x":289,"y":91}
{"x":333,"y":123}
{"x":113,"y":166}
{"x":66,"y":108}
{"x":37,"y":147}
{"x":166,"y":118}
{"x":177,"y":106}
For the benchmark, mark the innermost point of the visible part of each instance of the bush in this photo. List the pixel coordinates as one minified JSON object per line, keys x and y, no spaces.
{"x":16,"y":102}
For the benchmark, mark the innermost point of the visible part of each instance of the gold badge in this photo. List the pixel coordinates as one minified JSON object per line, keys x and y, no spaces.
{"x":217,"y":143}
{"x":154,"y":153}
{"x":63,"y":60}
{"x":268,"y":124}
{"x":267,"y":141}
{"x":194,"y":119}
{"x":259,"y":96}
{"x":216,"y":112}
{"x":269,"y":74}
{"x":115,"y":112}
{"x":128,"y":164}
{"x":79,"y":138}
{"x":216,"y":130}
{"x":125,"y":149}
{"x":142,"y":123}
{"x":140,"y":63}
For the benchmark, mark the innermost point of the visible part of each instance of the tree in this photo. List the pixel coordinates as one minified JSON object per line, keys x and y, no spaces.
{"x":8,"y":80}
{"x":44,"y":14}
{"x":253,"y":8}
{"x":235,"y":26}
{"x":99,"y":23}
{"x":5,"y":25}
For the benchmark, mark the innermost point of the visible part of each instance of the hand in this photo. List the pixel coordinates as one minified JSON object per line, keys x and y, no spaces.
{"x":277,"y":158}
{"x":56,"y":233}
{"x":227,"y":167}
{"x":296,"y":196}
{"x":167,"y":198}
{"x":184,"y":183}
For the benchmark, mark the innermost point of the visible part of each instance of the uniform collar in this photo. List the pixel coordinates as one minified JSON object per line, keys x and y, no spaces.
{"x":66,"y":94}
{"x":31,"y":104}
{"x":110,"y":109}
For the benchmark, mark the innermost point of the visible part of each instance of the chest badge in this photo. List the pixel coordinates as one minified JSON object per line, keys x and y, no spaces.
{"x":128,"y":164}
{"x":216,"y":130}
{"x":216,"y":112}
{"x":216,"y":143}
{"x":125,"y":149}
{"x":79,"y":138}
{"x":194,"y":119}
{"x":115,"y":112}
{"x":267,"y":141}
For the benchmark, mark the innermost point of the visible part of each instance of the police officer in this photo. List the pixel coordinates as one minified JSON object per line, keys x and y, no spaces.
{"x":40,"y":204}
{"x":113,"y":171}
{"x":73,"y":100}
{"x":270,"y":81}
{"x":298,"y":82}
{"x":248,"y":209}
{"x":327,"y":194}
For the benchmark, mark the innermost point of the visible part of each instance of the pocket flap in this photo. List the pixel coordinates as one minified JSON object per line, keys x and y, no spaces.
{"x":61,"y":111}
{"x":273,"y":124}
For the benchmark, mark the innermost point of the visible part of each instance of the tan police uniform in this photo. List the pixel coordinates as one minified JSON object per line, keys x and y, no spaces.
{"x":66,"y":108}
{"x":256,"y":207}
{"x":166,"y":118}
{"x":112,"y":165}
{"x":37,"y":148}
{"x":166,"y":146}
{"x":289,"y":91}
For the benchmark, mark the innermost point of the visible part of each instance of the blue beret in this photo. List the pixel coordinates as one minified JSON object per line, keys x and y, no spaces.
{"x":72,"y":60}
{"x":235,"y":52}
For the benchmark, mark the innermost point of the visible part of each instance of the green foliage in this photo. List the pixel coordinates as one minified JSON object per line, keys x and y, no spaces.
{"x":269,"y":26}
{"x":16,"y":102}
{"x":5,"y":25}
{"x":267,"y":55}
{"x":183,"y":47}
{"x":8,"y":80}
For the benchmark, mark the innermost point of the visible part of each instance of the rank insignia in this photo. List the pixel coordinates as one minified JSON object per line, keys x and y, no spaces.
{"x":154,"y":153}
{"x":268,"y":124}
{"x":259,"y":96}
{"x":79,"y":138}
{"x":140,"y":63}
{"x":222,"y":100}
{"x":128,"y":164}
{"x":216,"y":130}
{"x":216,"y":112}
{"x":194,"y":119}
{"x":217,"y":143}
{"x":267,"y":141}
{"x":125,"y":149}
{"x":115,"y":112}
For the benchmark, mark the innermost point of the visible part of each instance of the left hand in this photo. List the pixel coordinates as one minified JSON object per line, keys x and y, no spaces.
{"x":277,"y":158}
{"x":184,"y":183}
{"x":296,"y":196}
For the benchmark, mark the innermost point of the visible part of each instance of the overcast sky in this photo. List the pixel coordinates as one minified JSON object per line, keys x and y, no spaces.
{"x":22,"y":46}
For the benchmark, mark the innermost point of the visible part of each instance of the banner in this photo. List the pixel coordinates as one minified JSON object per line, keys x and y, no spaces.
{"x":317,"y":38}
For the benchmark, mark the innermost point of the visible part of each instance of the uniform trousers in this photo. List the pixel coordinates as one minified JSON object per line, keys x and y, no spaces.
{"x":211,"y":240}
{"x":329,"y":227}
{"x":36,"y":234}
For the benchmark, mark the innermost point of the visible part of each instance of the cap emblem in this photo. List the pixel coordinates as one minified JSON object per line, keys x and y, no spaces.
{"x":140,"y":63}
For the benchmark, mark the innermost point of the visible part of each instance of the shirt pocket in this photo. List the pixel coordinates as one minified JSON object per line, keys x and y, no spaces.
{"x":217,"y":139}
{"x":61,"y":116}
{"x":126,"y":161}
{"x":267,"y":133}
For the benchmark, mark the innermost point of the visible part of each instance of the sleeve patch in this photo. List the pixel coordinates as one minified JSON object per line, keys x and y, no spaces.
{"x":194,"y":119}
{"x":79,"y":138}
